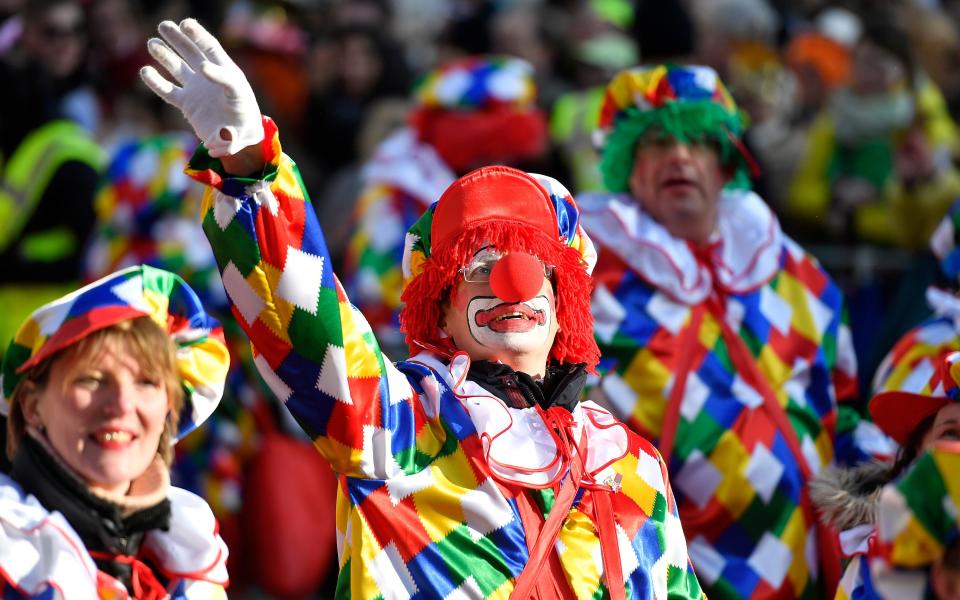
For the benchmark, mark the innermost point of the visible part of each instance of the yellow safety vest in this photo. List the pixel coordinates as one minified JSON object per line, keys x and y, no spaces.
{"x":25,"y":176}
{"x":28,"y":173}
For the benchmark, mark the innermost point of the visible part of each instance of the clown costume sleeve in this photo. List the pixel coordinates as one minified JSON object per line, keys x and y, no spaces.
{"x":313,"y":348}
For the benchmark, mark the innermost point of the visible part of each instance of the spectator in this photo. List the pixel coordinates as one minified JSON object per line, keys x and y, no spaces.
{"x":367,"y":67}
{"x":848,"y":499}
{"x":49,"y":176}
{"x":99,"y":385}
{"x":878,"y":166}
{"x":55,"y":38}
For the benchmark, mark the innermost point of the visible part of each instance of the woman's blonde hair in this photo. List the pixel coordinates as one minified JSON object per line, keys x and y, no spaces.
{"x":144,"y":340}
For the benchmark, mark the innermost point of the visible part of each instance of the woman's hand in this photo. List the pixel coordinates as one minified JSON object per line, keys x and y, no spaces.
{"x":213,"y":93}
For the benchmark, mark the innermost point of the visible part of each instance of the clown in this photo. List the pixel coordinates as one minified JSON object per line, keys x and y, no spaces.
{"x":722,"y":340}
{"x":471,"y":469}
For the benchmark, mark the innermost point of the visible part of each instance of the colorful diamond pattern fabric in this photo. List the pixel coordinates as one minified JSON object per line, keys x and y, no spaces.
{"x":647,"y":88}
{"x":915,"y":358}
{"x":146,"y":209}
{"x":403,"y":178}
{"x":726,"y":367}
{"x":917,"y":521}
{"x":419,"y":513}
{"x":478,"y":83}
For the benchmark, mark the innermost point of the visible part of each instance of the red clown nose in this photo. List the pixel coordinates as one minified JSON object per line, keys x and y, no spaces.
{"x":517,"y":277}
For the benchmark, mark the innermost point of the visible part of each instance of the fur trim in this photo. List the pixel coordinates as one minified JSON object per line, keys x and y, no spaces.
{"x":427,"y":294}
{"x":848,"y":497}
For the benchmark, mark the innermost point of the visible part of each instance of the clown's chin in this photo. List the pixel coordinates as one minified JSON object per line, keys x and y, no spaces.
{"x":512,"y":338}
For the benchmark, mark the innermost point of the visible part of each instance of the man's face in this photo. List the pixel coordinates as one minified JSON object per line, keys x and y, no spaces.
{"x":678,"y":184}
{"x":519,"y":334}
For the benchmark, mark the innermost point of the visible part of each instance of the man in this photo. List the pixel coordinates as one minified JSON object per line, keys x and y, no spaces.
{"x":470,"y":470}
{"x":468,"y":113}
{"x":721,"y":339}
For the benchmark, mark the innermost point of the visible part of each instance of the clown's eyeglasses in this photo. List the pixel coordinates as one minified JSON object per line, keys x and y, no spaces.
{"x":479,"y":269}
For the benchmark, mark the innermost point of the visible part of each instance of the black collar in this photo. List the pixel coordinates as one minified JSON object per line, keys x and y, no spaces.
{"x":99,"y":523}
{"x":561,"y":386}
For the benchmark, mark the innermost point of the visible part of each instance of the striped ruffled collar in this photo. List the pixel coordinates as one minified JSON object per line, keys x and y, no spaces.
{"x":744,"y":253}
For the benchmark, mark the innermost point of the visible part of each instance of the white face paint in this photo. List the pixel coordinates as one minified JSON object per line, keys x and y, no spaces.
{"x":488,"y":328}
{"x":517,"y":327}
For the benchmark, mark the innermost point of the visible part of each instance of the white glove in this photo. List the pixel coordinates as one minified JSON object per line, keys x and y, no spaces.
{"x":214,"y":94}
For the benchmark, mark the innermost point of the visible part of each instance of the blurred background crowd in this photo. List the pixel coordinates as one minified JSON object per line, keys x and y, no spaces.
{"x":852,"y":109}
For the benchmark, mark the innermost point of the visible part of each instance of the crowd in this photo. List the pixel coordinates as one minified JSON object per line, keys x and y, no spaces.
{"x":532,"y":298}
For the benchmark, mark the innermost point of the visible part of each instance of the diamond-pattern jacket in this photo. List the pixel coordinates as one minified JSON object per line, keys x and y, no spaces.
{"x":732,"y":359}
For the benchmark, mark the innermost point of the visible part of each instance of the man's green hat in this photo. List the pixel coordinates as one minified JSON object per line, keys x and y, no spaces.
{"x":688,"y":103}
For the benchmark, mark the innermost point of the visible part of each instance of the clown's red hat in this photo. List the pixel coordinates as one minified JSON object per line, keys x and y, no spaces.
{"x":493,"y":194}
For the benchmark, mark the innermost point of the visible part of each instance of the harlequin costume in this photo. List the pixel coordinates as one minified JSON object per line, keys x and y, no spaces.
{"x":849,"y":499}
{"x":448,"y":470}
{"x":59,"y":540}
{"x":917,"y":523}
{"x":914,"y":518}
{"x":914,"y":358}
{"x":735,"y":358}
{"x":470,"y":112}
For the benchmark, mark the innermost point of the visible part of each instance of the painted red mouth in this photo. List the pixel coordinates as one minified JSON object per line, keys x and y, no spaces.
{"x":504,"y":317}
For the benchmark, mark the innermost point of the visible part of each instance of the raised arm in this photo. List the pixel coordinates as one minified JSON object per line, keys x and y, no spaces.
{"x":313,"y":348}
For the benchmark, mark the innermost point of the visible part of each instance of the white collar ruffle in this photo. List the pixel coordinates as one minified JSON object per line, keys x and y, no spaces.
{"x":518,"y":445}
{"x":744,"y":254}
{"x":404,"y":162}
{"x":944,"y":304}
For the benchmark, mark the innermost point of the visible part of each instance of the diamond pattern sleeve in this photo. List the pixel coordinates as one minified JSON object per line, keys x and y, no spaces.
{"x":311,"y":345}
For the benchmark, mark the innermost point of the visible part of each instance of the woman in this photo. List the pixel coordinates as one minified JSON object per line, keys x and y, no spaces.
{"x":916,"y":554}
{"x":98,"y":385}
{"x":848,"y":498}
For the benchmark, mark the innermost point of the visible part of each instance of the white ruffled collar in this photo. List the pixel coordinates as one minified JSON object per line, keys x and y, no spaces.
{"x":944,"y":304}
{"x":39,"y":549}
{"x":404,"y":162}
{"x":518,"y":446}
{"x":744,"y":254}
